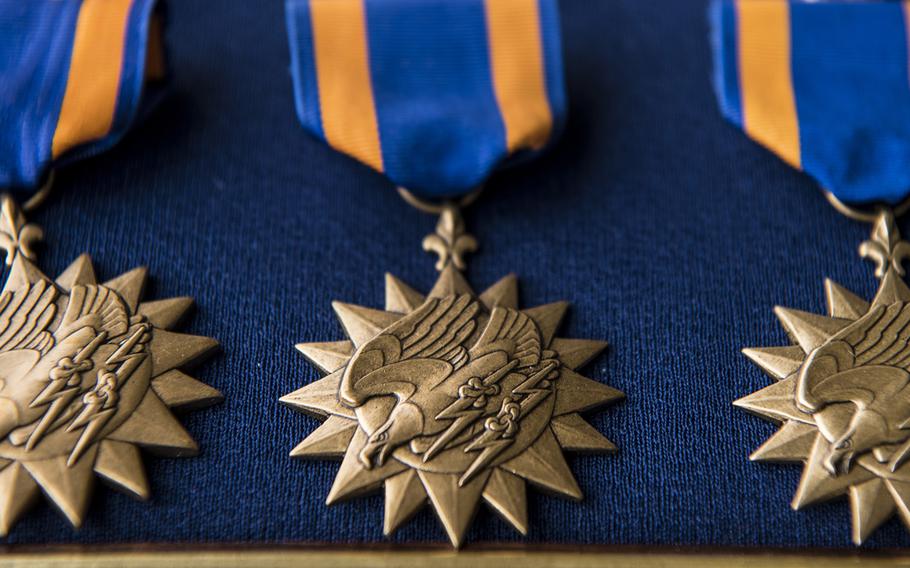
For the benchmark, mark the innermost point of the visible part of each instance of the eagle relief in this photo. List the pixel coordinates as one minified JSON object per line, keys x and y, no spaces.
{"x":842,"y":392}
{"x":452,"y":397}
{"x":88,"y":374}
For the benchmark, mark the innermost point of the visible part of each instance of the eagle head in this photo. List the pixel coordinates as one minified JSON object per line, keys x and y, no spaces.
{"x":866,"y":430}
{"x":858,"y":410}
{"x":405,"y":423}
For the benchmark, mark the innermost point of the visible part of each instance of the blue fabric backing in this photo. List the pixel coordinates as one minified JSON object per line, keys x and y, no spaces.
{"x":672,"y":234}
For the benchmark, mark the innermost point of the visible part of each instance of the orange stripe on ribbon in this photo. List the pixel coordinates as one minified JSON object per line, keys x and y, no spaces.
{"x":93,"y":82}
{"x":766,"y":82}
{"x":519,"y":77}
{"x":343,"y":73}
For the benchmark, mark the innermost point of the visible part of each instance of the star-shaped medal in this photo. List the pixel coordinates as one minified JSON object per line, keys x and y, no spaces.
{"x":842,"y":393}
{"x":88,"y":375}
{"x":451,"y":398}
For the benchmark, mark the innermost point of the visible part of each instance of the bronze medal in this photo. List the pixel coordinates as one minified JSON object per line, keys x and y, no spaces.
{"x":841,"y":391}
{"x":451,"y":397}
{"x":88,"y":375}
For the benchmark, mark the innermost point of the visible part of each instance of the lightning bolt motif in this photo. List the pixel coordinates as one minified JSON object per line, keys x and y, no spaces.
{"x":64,"y":387}
{"x":100,"y":403}
{"x":499,"y":432}
{"x":465,"y":409}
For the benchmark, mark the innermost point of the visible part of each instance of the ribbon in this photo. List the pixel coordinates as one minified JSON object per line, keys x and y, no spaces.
{"x":71,"y":78}
{"x":435,"y":94}
{"x":824,"y":85}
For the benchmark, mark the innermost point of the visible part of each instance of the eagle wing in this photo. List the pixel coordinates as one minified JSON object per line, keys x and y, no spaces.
{"x":93,"y":315}
{"x":25,"y":315}
{"x":511,"y":331}
{"x":437,"y":330}
{"x":881,"y":337}
{"x":95,"y":306}
{"x":431,"y":338}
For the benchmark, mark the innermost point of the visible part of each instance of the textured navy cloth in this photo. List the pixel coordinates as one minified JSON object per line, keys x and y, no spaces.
{"x":672,"y":234}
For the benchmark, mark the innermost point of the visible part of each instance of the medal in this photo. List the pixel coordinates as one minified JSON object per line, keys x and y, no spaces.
{"x":825,"y":86}
{"x":89,"y":373}
{"x":448,"y":397}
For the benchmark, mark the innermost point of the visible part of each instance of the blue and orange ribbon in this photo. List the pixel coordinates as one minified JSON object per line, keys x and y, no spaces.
{"x":71,"y":79}
{"x":435,"y":94}
{"x":824,"y":85}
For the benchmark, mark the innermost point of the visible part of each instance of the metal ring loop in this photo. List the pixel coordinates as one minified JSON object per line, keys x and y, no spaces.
{"x":436,"y":207}
{"x":38,"y":198}
{"x":861,"y":215}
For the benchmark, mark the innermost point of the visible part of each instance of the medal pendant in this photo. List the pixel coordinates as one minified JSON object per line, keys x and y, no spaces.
{"x":842,"y":392}
{"x":88,"y":374}
{"x":451,"y":397}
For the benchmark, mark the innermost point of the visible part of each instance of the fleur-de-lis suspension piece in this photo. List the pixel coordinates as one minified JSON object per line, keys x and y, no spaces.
{"x":885,"y":247}
{"x":17,"y":236}
{"x":451,"y":242}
